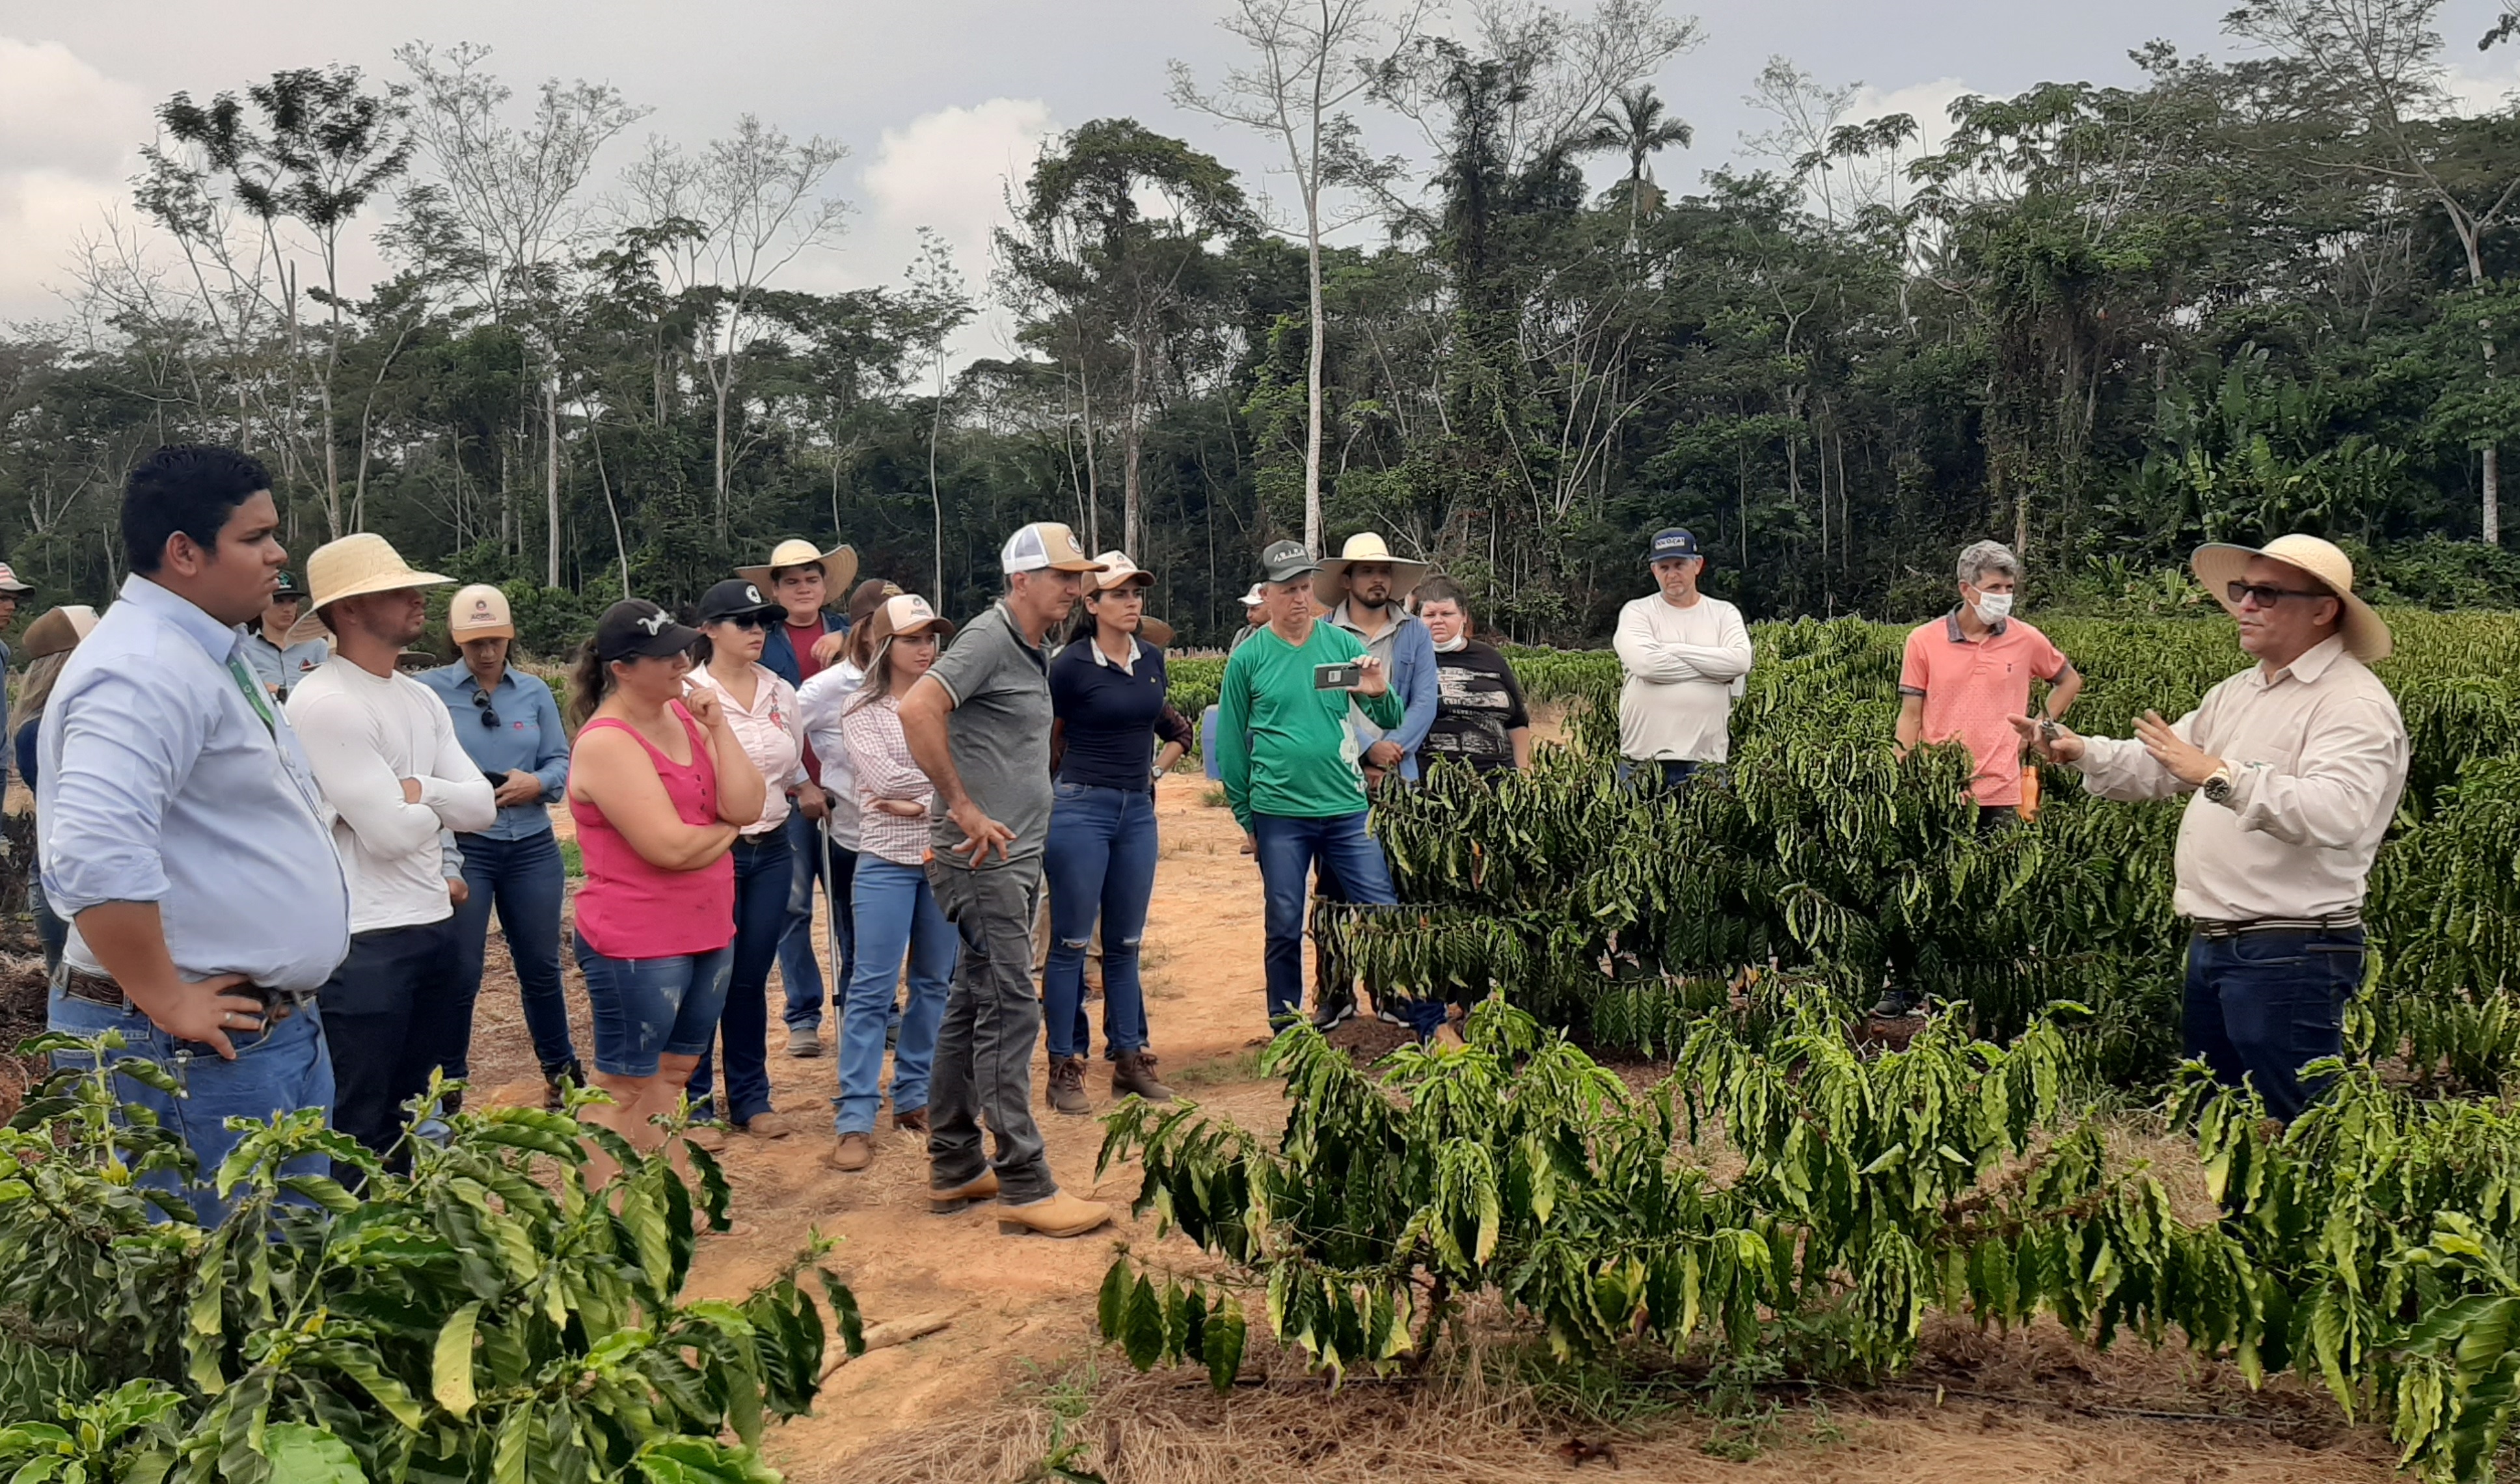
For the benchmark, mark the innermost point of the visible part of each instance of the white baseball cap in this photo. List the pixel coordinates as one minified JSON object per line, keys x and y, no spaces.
{"x":1252,"y":599}
{"x":1045,"y":543}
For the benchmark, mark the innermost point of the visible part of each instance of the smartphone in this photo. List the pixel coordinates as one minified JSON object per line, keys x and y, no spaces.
{"x":1337,"y":677}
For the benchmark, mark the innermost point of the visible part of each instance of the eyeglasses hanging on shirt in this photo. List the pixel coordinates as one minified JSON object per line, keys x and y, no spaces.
{"x":482,"y":706}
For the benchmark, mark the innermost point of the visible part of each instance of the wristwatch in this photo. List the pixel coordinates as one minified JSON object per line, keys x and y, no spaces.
{"x":2218,"y":787}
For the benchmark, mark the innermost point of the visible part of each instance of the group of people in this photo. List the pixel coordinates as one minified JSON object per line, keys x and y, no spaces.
{"x":269,"y":856}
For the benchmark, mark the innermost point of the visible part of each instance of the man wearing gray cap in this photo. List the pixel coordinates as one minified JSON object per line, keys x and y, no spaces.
{"x":978,"y":726}
{"x":1685,"y":654}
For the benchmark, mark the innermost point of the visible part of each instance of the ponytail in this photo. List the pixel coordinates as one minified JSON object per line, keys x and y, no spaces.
{"x":590,"y":680}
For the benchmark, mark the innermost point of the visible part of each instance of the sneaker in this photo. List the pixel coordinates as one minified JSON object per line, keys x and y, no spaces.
{"x":1058,"y":1215}
{"x":804,"y":1042}
{"x":1893,"y":1005}
{"x":1391,"y":1017}
{"x":1336,"y":1012}
{"x":854,"y":1153}
{"x":945,"y":1200}
{"x":1133,"y":1072}
{"x":1067,"y":1090}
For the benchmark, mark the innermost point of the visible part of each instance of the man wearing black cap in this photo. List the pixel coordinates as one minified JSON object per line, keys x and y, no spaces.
{"x":1685,"y":654}
{"x":278,"y":664}
{"x":1291,"y":766}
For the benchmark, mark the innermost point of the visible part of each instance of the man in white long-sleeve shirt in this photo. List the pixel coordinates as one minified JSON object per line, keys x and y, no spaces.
{"x":2294,"y":766}
{"x":1685,"y":654}
{"x":384,"y":751}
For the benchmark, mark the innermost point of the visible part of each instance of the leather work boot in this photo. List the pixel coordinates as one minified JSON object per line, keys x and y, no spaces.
{"x":1135,"y":1073}
{"x":912,"y":1122}
{"x":945,"y":1200}
{"x":804,"y":1042}
{"x":854,"y":1153}
{"x":1066,"y":1089}
{"x":1059,"y":1215}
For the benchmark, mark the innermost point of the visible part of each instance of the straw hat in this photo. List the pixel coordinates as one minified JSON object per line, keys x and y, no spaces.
{"x":353,"y":568}
{"x":840,"y":565}
{"x":479,"y":611}
{"x":2217,"y":566}
{"x":60,"y":630}
{"x":1366,"y":546}
{"x":1155,"y":631}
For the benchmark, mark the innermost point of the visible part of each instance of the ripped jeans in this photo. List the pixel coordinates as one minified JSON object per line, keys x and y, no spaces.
{"x":1098,"y":863}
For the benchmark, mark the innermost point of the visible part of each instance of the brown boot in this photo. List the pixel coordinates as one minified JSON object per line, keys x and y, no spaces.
{"x":854,"y":1153}
{"x":1059,"y":1215}
{"x":914,"y":1121}
{"x":1135,"y":1073}
{"x":1067,"y":1090}
{"x":945,"y":1200}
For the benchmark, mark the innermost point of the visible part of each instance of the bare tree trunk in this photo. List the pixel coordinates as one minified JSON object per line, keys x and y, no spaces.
{"x":1312,"y":378}
{"x":620,"y":548}
{"x":1131,"y":434}
{"x":935,"y":493}
{"x":550,"y":470}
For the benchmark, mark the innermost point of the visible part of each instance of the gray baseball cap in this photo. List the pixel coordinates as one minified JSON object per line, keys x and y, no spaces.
{"x":1286,"y":561}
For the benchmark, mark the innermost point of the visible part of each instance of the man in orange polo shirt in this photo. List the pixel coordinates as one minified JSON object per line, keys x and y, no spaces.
{"x":1968,"y":671}
{"x":1971,"y":668}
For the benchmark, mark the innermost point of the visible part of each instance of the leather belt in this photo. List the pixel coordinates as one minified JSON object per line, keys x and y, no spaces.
{"x":98,"y":989}
{"x":2208,"y":928}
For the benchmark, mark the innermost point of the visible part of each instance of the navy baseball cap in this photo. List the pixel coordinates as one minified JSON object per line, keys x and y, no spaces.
{"x":1672,"y":542}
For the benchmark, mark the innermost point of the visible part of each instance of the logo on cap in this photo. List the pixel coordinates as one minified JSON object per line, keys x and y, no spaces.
{"x":654,"y":623}
{"x":751,"y":594}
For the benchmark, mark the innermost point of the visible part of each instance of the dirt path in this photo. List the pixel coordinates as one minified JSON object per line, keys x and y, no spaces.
{"x":1012,"y":1300}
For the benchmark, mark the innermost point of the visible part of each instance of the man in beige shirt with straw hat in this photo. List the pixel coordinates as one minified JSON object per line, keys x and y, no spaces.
{"x":384,"y":751}
{"x":2294,"y":766}
{"x":804,"y":579}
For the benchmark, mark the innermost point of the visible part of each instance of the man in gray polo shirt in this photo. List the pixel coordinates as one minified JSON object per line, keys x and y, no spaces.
{"x":978,"y":725}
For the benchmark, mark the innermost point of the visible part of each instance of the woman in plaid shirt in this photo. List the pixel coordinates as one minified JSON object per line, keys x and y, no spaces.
{"x":890,"y":902}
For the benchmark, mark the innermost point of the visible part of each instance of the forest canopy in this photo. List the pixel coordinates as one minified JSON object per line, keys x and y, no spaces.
{"x":2230,"y":299}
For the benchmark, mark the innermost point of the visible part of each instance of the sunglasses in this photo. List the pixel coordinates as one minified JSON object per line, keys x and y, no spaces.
{"x":2263,"y":596}
{"x":481,"y":708}
{"x":745,"y":620}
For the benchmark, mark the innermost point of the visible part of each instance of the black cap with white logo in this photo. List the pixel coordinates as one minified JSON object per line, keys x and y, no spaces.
{"x":738,"y":597}
{"x":634,"y":629}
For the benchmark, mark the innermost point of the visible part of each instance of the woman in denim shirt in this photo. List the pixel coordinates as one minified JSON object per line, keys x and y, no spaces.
{"x":511,"y":728}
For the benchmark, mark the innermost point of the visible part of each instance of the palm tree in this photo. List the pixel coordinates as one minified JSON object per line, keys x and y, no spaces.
{"x":1638,"y":125}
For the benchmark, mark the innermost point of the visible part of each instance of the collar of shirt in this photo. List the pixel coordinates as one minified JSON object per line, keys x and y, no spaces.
{"x":2307,"y":667}
{"x":1400,"y":618}
{"x":218,"y":640}
{"x":1126,"y":666}
{"x":765,"y":694}
{"x":1040,"y":652}
{"x":1953,"y":631}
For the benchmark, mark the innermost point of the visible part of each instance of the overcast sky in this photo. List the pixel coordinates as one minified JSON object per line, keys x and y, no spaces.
{"x":941,"y":102}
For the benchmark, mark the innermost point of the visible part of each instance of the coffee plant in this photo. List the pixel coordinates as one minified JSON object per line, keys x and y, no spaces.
{"x":492,"y":1314}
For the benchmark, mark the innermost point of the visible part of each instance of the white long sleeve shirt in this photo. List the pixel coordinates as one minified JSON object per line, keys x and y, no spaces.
{"x":364,"y":733}
{"x":2318,"y":755}
{"x":1684,"y":666}
{"x":818,"y":702}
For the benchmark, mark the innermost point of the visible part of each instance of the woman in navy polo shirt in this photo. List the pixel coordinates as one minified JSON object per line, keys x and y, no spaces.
{"x":510,"y":727}
{"x":1106,"y":691}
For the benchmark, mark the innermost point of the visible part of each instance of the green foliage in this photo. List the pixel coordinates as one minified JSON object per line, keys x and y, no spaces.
{"x":493,"y":1314}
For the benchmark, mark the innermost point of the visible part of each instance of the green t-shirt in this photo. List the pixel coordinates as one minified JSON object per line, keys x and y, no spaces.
{"x":1283,"y":748}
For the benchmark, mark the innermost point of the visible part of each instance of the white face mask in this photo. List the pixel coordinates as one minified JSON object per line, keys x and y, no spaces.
{"x":1994,"y":608}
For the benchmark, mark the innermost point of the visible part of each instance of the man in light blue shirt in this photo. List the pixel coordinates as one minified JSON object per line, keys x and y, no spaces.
{"x":180,"y":825}
{"x":280,"y":664}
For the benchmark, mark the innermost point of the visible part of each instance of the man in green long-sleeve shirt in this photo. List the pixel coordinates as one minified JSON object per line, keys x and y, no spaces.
{"x":1290,"y":767}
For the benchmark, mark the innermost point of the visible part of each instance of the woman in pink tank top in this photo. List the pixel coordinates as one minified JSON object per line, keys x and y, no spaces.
{"x":659,"y":788}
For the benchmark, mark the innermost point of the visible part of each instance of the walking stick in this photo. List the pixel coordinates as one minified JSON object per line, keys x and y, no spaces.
{"x":830,"y":923}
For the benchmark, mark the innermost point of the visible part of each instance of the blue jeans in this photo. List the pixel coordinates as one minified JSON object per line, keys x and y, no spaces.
{"x":49,"y":926}
{"x":280,"y":1071}
{"x":761,"y":873}
{"x":1671,"y":771}
{"x":1287,"y":850}
{"x":799,"y":970}
{"x":1098,"y":862}
{"x":526,"y":879}
{"x":2262,"y":1004}
{"x":650,"y":1008}
{"x":896,"y":913}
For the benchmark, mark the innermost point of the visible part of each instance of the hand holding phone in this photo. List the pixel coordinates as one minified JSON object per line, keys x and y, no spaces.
{"x":1337,"y":677}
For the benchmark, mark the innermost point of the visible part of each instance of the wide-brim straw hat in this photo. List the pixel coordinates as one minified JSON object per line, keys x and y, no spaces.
{"x":60,"y":630}
{"x":1155,"y":631}
{"x":840,"y":565}
{"x":1366,"y":546}
{"x":353,"y":567}
{"x":2218,"y":565}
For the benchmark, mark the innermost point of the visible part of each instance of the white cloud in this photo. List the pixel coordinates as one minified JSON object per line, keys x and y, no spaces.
{"x":949,"y":170}
{"x":2483,"y":84}
{"x":66,"y":148}
{"x":1928,"y":103}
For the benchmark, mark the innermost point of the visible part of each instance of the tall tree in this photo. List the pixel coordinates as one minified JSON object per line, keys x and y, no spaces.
{"x":1637,"y":128}
{"x":1310,"y":60}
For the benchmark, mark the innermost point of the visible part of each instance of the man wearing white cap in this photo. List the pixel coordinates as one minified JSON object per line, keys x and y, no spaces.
{"x":384,"y":751}
{"x":1255,"y":617}
{"x":802,"y":579}
{"x":2295,"y":766}
{"x":978,"y":726}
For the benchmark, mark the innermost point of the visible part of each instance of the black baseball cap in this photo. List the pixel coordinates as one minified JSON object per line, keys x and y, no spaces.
{"x":288,"y":589}
{"x":1672,"y":542}
{"x":737,"y":598}
{"x":1286,"y":561}
{"x":635,"y":629}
